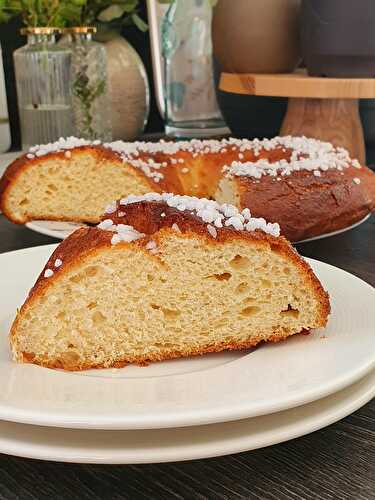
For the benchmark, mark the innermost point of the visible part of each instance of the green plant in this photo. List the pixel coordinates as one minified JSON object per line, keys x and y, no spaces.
{"x":87,"y":93}
{"x":62,"y":13}
{"x":112,"y":14}
{"x":41,"y":12}
{"x":212,"y":2}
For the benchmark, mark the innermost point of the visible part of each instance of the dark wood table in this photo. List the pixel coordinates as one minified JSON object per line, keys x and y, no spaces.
{"x":337,"y":462}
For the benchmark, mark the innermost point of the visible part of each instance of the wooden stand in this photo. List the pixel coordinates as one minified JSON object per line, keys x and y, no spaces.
{"x":323,"y":108}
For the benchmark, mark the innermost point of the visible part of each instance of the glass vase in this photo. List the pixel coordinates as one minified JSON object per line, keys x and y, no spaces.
{"x":91,"y":104}
{"x":42,"y":71}
{"x":191,"y":109}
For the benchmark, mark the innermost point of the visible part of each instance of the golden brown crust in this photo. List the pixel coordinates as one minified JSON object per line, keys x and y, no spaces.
{"x":154,"y":357}
{"x":307,"y":206}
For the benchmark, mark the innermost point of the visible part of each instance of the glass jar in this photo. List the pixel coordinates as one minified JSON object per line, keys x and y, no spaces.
{"x":91,"y":105}
{"x":191,"y":109}
{"x":42,"y":71}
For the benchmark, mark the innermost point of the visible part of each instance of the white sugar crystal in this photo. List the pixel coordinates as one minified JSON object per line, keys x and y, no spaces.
{"x":230,"y":210}
{"x":235,"y":222}
{"x":48,"y":273}
{"x":181,"y":160}
{"x":356,"y":180}
{"x":121,"y":214}
{"x":207,"y":215}
{"x":30,"y":156}
{"x":273,"y":229}
{"x":125,"y":233}
{"x":356,"y":164}
{"x":59,"y":145}
{"x":240,"y":156}
{"x":58,"y":262}
{"x":111,"y":208}
{"x":162,"y":214}
{"x":218,"y":222}
{"x":105,"y":224}
{"x":185,"y":170}
{"x":129,"y":236}
{"x":124,"y":228}
{"x":176,"y":228}
{"x":115,"y":239}
{"x":306,"y":154}
{"x":151,"y":245}
{"x":246,"y":214}
{"x":212,"y":230}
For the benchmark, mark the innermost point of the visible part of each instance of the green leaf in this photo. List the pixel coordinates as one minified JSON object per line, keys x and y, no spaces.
{"x":112,"y":12}
{"x":139,"y":22}
{"x":212,"y":2}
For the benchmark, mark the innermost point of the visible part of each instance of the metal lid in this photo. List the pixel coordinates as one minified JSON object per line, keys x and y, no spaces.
{"x":81,"y":30}
{"x":37,"y":30}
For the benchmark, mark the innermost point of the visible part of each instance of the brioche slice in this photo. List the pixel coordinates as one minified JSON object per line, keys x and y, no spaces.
{"x":73,"y":185}
{"x":163,"y":277}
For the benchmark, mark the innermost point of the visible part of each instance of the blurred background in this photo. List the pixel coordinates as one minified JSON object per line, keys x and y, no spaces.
{"x":153,"y":67}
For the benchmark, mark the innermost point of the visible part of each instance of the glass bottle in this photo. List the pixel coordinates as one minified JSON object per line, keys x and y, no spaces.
{"x":42,"y":71}
{"x":191,"y":108}
{"x":91,"y":106}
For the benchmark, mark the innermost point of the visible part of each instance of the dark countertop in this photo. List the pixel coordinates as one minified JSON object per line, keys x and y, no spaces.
{"x":337,"y":462}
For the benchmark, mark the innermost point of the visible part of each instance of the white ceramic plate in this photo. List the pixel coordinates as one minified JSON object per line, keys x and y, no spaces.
{"x":55,"y":229}
{"x":196,"y":391}
{"x":189,"y":443}
{"x":62,"y":230}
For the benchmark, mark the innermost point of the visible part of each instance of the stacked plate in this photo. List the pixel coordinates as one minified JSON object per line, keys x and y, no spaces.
{"x":193,"y":408}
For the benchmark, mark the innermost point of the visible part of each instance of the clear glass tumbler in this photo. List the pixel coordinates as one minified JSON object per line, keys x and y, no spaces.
{"x":91,"y":105}
{"x":42,"y":70}
{"x":191,"y":108}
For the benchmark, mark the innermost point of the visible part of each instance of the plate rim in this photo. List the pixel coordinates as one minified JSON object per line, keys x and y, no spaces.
{"x":350,"y":399}
{"x":203,"y":416}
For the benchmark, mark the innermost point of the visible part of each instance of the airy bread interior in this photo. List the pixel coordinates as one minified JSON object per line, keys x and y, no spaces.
{"x":120,"y":304}
{"x":227,"y":192}
{"x":59,"y":188}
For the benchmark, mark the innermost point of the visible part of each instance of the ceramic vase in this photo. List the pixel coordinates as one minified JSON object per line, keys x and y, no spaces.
{"x":128,"y":90}
{"x":257,"y":36}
